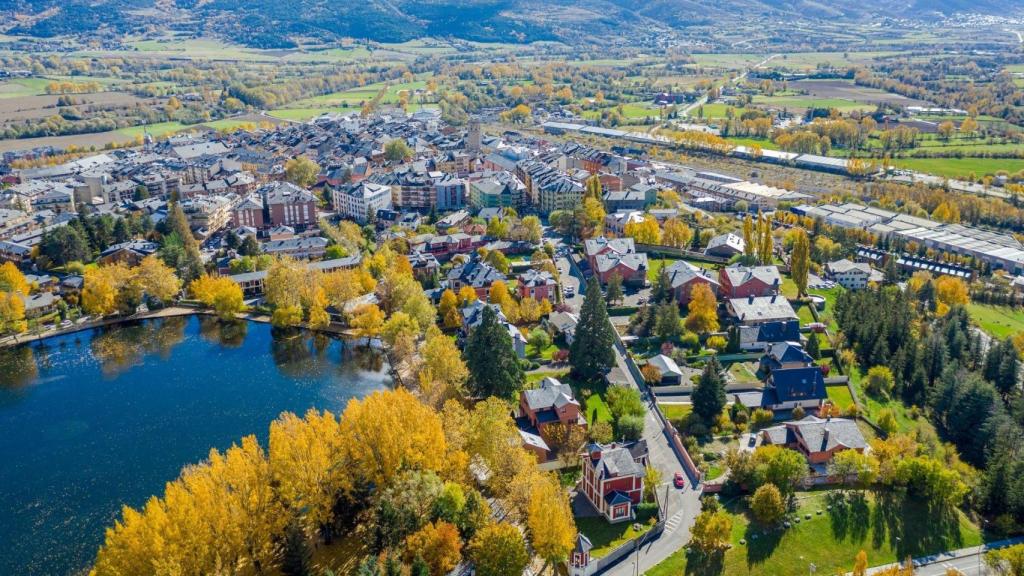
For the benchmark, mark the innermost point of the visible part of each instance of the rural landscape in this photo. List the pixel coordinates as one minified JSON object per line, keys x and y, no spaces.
{"x":512,"y":288}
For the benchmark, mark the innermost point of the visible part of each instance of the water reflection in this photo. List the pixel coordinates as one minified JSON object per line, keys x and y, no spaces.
{"x":19,"y":367}
{"x":119,"y":348}
{"x":227,"y":333}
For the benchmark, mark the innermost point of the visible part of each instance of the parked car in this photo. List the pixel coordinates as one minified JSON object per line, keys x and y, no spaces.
{"x":678,"y":480}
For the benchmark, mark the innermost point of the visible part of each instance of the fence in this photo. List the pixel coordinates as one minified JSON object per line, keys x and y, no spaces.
{"x":615,"y":556}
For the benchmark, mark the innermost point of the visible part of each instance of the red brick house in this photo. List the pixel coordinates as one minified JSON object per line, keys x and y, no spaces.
{"x":540,"y":408}
{"x":248,"y":213}
{"x":289,"y":205}
{"x":744,"y":281}
{"x":537,"y":284}
{"x":608,"y":256}
{"x":816,"y":438}
{"x":684,"y":277}
{"x":613,"y":478}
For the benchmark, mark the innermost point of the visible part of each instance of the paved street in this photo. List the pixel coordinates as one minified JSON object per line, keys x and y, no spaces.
{"x":966,"y":561}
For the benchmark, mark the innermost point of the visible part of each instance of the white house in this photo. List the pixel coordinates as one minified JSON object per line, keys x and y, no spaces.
{"x":852,"y":275}
{"x":360,"y":200}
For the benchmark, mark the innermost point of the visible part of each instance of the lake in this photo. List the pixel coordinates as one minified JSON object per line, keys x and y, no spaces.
{"x":94,"y":420}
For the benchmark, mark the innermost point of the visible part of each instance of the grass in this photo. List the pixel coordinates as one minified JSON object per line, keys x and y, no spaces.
{"x":23,"y":87}
{"x":888,"y":528}
{"x":804,"y":102}
{"x":741,"y":372}
{"x":158,"y":129}
{"x":356,"y":96}
{"x":594,"y":407}
{"x":997,"y":321}
{"x":656,"y":262}
{"x":872,"y":406}
{"x":840,"y":396}
{"x":676,"y":412}
{"x":960,"y":168}
{"x":544,"y":354}
{"x":607,"y":537}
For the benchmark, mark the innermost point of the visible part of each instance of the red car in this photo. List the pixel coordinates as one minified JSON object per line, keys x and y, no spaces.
{"x":679,"y":480}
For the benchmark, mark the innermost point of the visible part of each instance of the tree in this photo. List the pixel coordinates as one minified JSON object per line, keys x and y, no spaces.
{"x":448,"y":308}
{"x":676,"y":234}
{"x":591,"y":352}
{"x":767,"y":504}
{"x":493,"y":365}
{"x":1007,"y":561}
{"x":703,"y":310}
{"x":12,"y":280}
{"x":879,"y":381}
{"x":709,"y":396}
{"x":532,"y":229}
{"x":589,"y":218}
{"x":860,"y":564}
{"x":187,"y":261}
{"x":749,"y":240}
{"x":155,"y":279}
{"x":711,"y":531}
{"x":443,"y":374}
{"x":499,"y":550}
{"x":102,"y":288}
{"x":498,"y":259}
{"x":549,"y":519}
{"x":813,"y":346}
{"x":800,"y":261}
{"x":946,"y":129}
{"x":850,"y":464}
{"x":593,"y":188}
{"x":12,"y":313}
{"x":613,"y":290}
{"x":667,"y":325}
{"x":297,"y":559}
{"x":65,"y":244}
{"x":950,"y":291}
{"x":397,"y":150}
{"x":301,"y":171}
{"x":222,"y":294}
{"x":539,"y":339}
{"x":439,"y":545}
{"x":779,"y":466}
{"x":645,"y":231}
{"x":368,"y":321}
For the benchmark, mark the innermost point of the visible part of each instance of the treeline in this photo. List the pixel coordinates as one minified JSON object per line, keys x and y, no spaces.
{"x":967,"y":384}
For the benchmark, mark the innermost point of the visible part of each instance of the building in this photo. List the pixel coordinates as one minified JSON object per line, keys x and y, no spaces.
{"x":744,"y":281}
{"x":671,"y":375}
{"x":499,"y":190}
{"x":816,"y":438}
{"x":725,"y":246}
{"x":208,"y":214}
{"x":552,"y":403}
{"x":475,"y":274}
{"x":616,"y":222}
{"x":289,"y":205}
{"x":537,"y":284}
{"x":130,"y":253}
{"x":473,"y":315}
{"x":248,"y":212}
{"x":754,"y":310}
{"x":785,"y":355}
{"x":761,"y":336}
{"x":565,"y":324}
{"x":636,"y":197}
{"x":684,"y":277}
{"x":358,"y":201}
{"x":613,"y":478}
{"x":252,"y":283}
{"x":787,"y":388}
{"x":424,"y":266}
{"x":852,"y":275}
{"x":300,"y":247}
{"x":632,"y":268}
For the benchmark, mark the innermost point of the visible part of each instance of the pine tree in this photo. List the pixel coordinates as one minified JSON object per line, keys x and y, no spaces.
{"x":419,"y":567}
{"x":493,"y":365}
{"x":814,"y":346}
{"x":800,"y":261}
{"x":613,"y":292}
{"x":298,"y":558}
{"x":591,"y":353}
{"x":662,"y":291}
{"x":709,"y":396}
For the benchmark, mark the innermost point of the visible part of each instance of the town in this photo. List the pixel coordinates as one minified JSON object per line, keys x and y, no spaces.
{"x":595,"y":349}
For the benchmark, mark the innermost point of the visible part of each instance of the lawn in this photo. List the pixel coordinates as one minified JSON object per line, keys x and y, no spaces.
{"x":744,"y":372}
{"x":544,"y":354}
{"x":229,"y":124}
{"x":959,"y":167}
{"x":872,"y":406}
{"x":840,"y":396}
{"x":712,"y":111}
{"x":594,"y":407}
{"x":886,"y":527}
{"x":804,"y":102}
{"x":678,"y":414}
{"x":155,"y":130}
{"x":827,"y":315}
{"x":23,"y":87}
{"x":606,"y":537}
{"x":301,"y":114}
{"x":998,"y":321}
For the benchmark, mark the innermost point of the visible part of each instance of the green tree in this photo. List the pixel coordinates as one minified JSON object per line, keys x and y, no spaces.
{"x":779,"y":466}
{"x":591,"y":353}
{"x":301,"y":171}
{"x":397,"y":150}
{"x":65,"y":244}
{"x":709,"y":396}
{"x":499,"y":550}
{"x":539,"y":339}
{"x":493,"y":366}
{"x":667,"y":324}
{"x":767,"y":504}
{"x":813,"y":346}
{"x":297,"y":559}
{"x":613,"y":291}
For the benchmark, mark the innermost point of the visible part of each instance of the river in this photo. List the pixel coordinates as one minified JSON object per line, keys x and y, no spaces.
{"x":96,"y":420}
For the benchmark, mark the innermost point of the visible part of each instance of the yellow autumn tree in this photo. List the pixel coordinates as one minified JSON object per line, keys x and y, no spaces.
{"x":448,"y":308}
{"x":304,"y":456}
{"x":949,"y":291}
{"x":156,"y":279}
{"x":12,"y":280}
{"x":368,"y":321}
{"x":388,"y":432}
{"x":220,"y":293}
{"x":645,"y":231}
{"x":102,"y":287}
{"x":703,"y":310}
{"x":444,"y":373}
{"x":676,"y":234}
{"x":466,"y":296}
{"x":549,"y":519}
{"x":438,"y":544}
{"x":12,"y":313}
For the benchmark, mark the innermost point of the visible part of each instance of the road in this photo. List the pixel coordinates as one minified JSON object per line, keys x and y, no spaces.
{"x":966,"y":561}
{"x":682,"y":506}
{"x":685,"y":112}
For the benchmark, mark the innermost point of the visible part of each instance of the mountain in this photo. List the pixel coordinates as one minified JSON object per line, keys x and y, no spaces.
{"x":277,"y":23}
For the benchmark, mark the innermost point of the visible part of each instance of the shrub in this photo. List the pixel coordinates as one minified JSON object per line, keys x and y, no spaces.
{"x":762,"y":417}
{"x":717,"y":342}
{"x":887,"y":421}
{"x":631,"y":427}
{"x":879,"y":381}
{"x":691,"y":341}
{"x":767,"y":504}
{"x":799,"y":412}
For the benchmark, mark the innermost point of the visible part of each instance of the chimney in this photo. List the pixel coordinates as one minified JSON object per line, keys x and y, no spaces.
{"x":774,"y":296}
{"x":750,"y":299}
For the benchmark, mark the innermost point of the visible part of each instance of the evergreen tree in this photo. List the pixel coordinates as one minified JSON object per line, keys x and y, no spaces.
{"x":667,"y":325}
{"x":368,"y":567}
{"x":709,"y":396}
{"x":121,"y":231}
{"x":249,"y":246}
{"x":392,"y":567}
{"x":297,"y":558}
{"x":892,"y":273}
{"x":662,"y":291}
{"x":493,"y":365}
{"x":734,"y":340}
{"x":419,"y":567}
{"x":814,"y":346}
{"x":190,"y":265}
{"x":591,"y":353}
{"x":613,"y":292}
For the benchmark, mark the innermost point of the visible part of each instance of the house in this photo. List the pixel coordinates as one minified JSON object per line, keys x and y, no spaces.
{"x":637,"y":197}
{"x":252,"y":283}
{"x":725,"y":246}
{"x":684,"y":277}
{"x":130,"y":253}
{"x":613,"y":478}
{"x":299,"y":247}
{"x":594,"y":247}
{"x":788,"y":388}
{"x":760,"y":336}
{"x":816,"y":438}
{"x":632,"y":268}
{"x":39,"y":304}
{"x":785,"y":355}
{"x":616,"y":222}
{"x":744,"y":281}
{"x":754,"y":310}
{"x":424,"y":266}
{"x":671,"y":375}
{"x":852,"y":275}
{"x":248,"y":212}
{"x":14,"y":252}
{"x":472,"y":316}
{"x":477,"y":275}
{"x":564,"y":323}
{"x":537,"y":284}
{"x":552,"y":403}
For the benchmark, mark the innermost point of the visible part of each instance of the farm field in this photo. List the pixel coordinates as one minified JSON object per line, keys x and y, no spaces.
{"x":155,"y":130}
{"x":794,"y":60}
{"x":23,"y":87}
{"x":18,"y":108}
{"x":998,"y":321}
{"x":960,"y":167}
{"x":847,"y":90}
{"x":802,"y":102}
{"x":887,"y":527}
{"x":354,"y":97}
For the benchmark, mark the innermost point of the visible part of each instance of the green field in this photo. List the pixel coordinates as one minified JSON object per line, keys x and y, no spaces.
{"x":355,"y":97}
{"x":23,"y":87}
{"x":302,"y":114}
{"x":800,"y":102}
{"x":229,"y":124}
{"x":998,"y":321}
{"x":960,"y":168}
{"x":886,"y":527}
{"x":840,"y":396}
{"x":156,"y":130}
